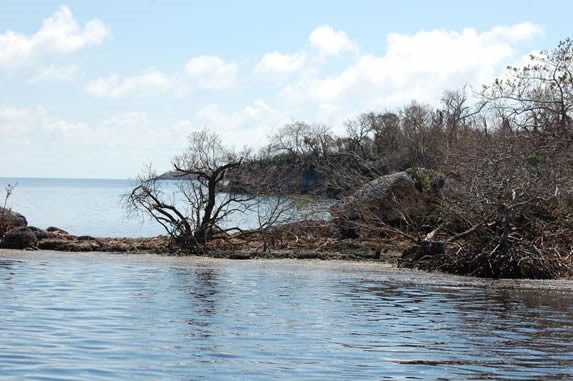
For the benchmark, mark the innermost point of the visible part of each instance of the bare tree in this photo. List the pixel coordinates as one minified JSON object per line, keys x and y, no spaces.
{"x":388,"y":135}
{"x":539,"y":95}
{"x":196,"y":212}
{"x":302,"y":141}
{"x":4,"y":225}
{"x":507,"y":215}
{"x":419,"y":134}
{"x":359,"y":133}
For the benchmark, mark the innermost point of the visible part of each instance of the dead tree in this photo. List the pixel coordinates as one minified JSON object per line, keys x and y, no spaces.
{"x":195,"y":214}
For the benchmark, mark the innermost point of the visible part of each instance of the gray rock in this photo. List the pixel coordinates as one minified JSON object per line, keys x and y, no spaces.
{"x":389,"y":199}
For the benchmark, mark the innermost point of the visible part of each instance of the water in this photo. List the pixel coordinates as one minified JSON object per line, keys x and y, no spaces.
{"x":88,"y":207}
{"x":79,"y":206}
{"x":115,"y":317}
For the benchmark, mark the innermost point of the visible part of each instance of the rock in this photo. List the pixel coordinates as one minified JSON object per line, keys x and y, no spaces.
{"x":68,"y":245}
{"x":387,"y":199}
{"x":53,"y":229}
{"x":26,"y":237}
{"x":60,"y":234}
{"x":10,"y":220}
{"x":20,"y":238}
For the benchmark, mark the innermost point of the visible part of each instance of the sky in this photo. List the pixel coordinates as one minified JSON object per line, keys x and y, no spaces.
{"x":100,"y":89}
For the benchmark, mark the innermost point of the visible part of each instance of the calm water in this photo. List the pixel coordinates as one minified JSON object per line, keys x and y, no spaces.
{"x":91,"y":207}
{"x":112,"y":317}
{"x":87,"y":206}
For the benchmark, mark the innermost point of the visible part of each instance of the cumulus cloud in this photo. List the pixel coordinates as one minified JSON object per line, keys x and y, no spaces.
{"x":117,"y":146}
{"x":59,"y":33}
{"x":150,"y":82}
{"x":133,"y":128}
{"x":247,"y":126}
{"x":330,"y":42}
{"x":276,"y":62}
{"x":210,"y":72}
{"x":417,"y":66}
{"x":200,"y":73}
{"x":515,"y":33}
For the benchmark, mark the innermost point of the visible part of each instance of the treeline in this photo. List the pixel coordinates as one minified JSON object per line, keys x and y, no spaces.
{"x":308,"y":158}
{"x":529,"y":109}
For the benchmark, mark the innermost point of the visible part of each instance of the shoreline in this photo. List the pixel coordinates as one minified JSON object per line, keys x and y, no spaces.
{"x":237,"y":256}
{"x":305,"y":240}
{"x":302,"y":240}
{"x":347,"y":251}
{"x":411,"y":276}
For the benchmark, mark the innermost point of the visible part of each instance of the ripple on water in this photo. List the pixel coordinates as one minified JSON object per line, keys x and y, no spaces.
{"x":106,"y":317}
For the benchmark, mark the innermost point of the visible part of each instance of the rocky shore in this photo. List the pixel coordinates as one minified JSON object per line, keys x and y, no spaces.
{"x":303,"y":240}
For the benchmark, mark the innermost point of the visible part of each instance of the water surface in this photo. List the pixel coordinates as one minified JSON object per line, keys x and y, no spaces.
{"x":120,"y":317}
{"x":95,"y":207}
{"x":79,"y":206}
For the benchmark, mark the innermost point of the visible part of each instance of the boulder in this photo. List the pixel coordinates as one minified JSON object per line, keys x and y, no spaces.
{"x":388,"y":200}
{"x":10,"y":220}
{"x":19,"y":238}
{"x":26,"y":237}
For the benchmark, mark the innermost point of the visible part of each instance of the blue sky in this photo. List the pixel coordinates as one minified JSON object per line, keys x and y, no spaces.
{"x":98,"y":89}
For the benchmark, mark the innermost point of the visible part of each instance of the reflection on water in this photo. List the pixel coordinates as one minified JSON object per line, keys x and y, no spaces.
{"x":103,"y":317}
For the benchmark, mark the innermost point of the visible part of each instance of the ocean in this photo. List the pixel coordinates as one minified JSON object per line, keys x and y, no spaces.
{"x":95,"y":207}
{"x":79,"y":206}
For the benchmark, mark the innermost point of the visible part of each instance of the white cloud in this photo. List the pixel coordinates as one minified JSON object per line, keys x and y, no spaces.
{"x":416,"y":66}
{"x":515,"y":33}
{"x":330,"y":42}
{"x":276,"y":62}
{"x":55,"y":73}
{"x":211,"y":73}
{"x":413,"y":66}
{"x":117,"y":146}
{"x":203,"y":72}
{"x":150,"y":82}
{"x":248,"y":126}
{"x":59,"y":33}
{"x":16,"y":124}
{"x":134,"y":128}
